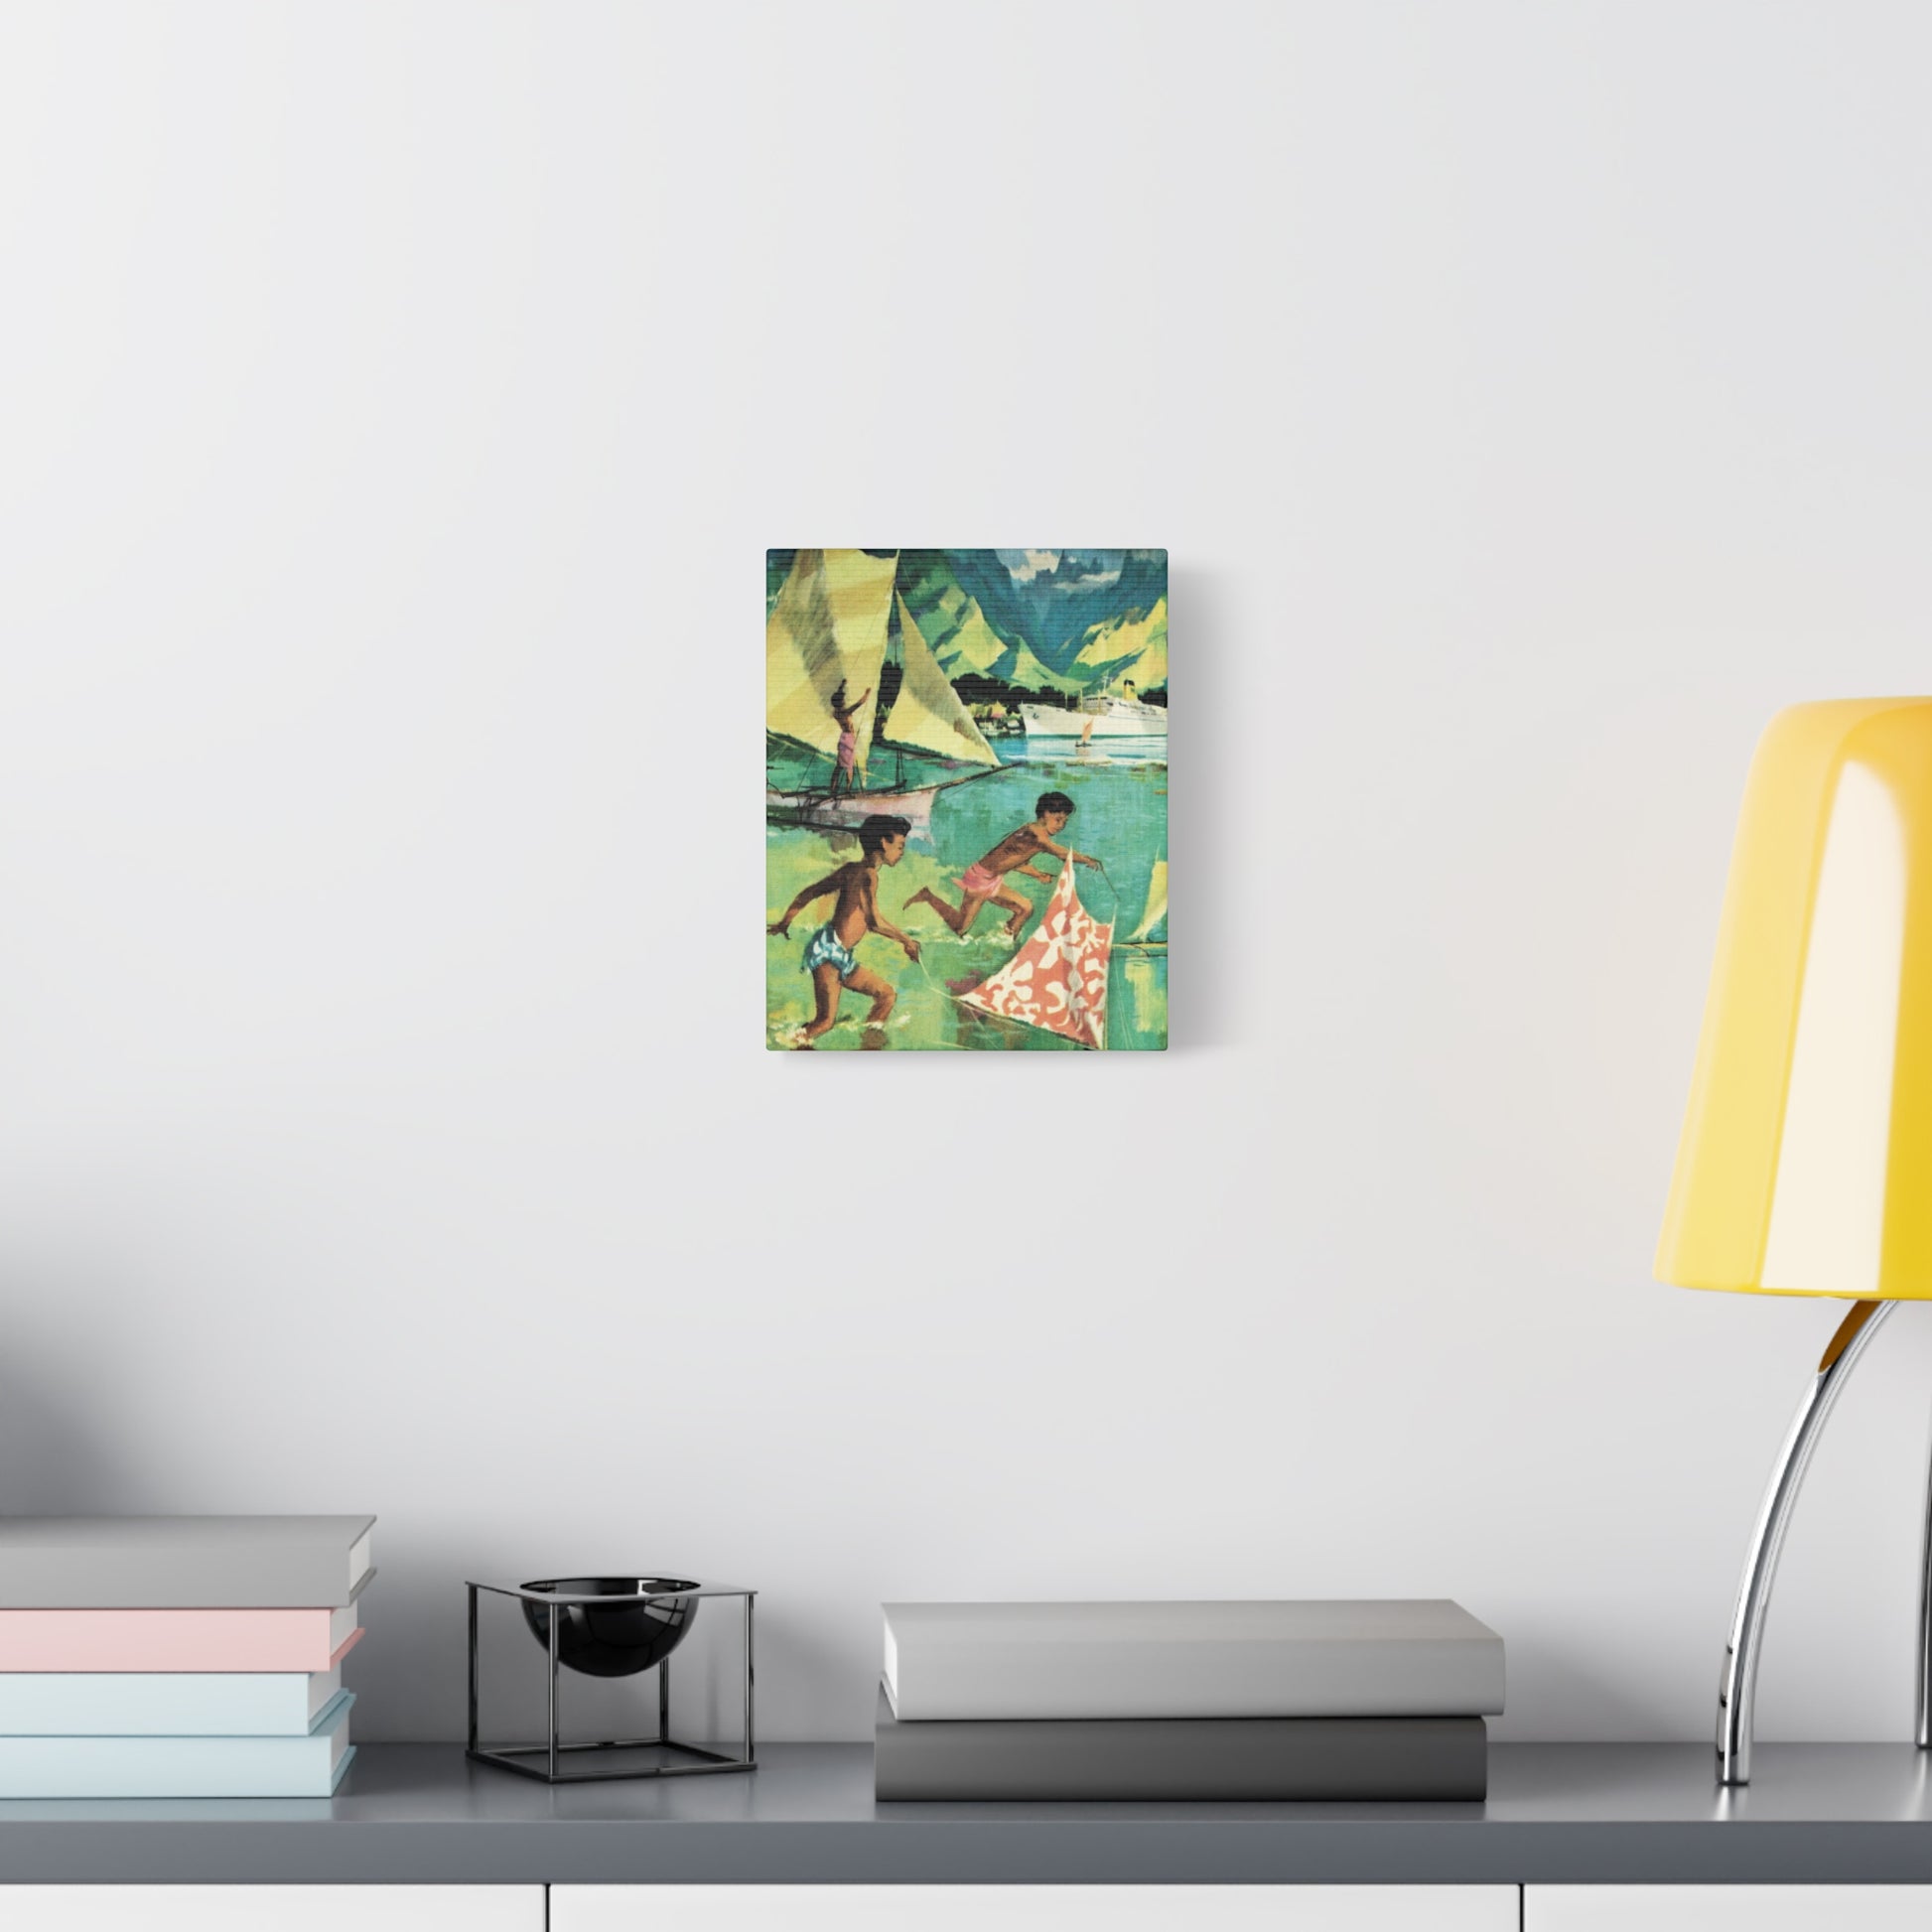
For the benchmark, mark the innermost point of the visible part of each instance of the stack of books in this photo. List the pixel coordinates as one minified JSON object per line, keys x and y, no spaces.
{"x":1311,"y":1701}
{"x":177,"y":1656}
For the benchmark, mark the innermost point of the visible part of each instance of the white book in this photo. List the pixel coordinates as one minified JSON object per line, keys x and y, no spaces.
{"x":1344,"y":1658}
{"x":164,"y":1703}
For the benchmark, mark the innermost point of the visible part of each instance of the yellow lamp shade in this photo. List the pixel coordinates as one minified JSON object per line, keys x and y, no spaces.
{"x":1806,"y":1161}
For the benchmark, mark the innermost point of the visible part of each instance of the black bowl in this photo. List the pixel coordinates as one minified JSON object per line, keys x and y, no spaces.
{"x":613,"y":1639}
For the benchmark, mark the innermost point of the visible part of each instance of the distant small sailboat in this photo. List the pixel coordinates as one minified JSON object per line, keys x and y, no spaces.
{"x":1155,"y":914}
{"x":831,"y":625}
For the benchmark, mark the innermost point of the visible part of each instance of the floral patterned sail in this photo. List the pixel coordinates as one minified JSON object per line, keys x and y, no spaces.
{"x":1058,"y":979}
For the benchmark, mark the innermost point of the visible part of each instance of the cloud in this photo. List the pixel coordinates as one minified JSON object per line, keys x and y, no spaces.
{"x":1023,"y":566}
{"x":1088,"y":570}
{"x":1062,"y":570}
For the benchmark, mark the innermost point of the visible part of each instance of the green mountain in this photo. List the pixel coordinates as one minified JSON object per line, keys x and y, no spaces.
{"x":1055,"y":598}
{"x":956,"y":628}
{"x":1132,"y":646}
{"x":1038,"y":636}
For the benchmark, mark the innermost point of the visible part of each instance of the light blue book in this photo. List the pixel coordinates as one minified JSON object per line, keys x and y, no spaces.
{"x":165,"y":1703}
{"x":310,"y":1766}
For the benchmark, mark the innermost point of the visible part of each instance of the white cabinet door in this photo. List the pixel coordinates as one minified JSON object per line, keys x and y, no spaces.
{"x":271,"y":1908}
{"x":1035,"y":1908}
{"x":1727,"y":1908}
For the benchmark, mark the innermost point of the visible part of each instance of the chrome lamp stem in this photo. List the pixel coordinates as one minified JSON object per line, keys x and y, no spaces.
{"x":1737,"y":1690}
{"x":1924,"y":1732}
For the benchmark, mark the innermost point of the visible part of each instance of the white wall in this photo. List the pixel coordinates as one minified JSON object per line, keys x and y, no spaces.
{"x":395,"y":402}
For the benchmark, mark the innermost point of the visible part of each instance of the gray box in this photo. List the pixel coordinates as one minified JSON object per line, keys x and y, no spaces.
{"x":1345,"y":1658}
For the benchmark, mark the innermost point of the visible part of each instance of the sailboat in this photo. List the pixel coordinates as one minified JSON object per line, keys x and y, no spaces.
{"x":832,"y":626}
{"x":1144,"y":937}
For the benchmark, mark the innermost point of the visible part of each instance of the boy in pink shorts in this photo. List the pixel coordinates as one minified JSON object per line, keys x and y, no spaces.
{"x":982,"y":881}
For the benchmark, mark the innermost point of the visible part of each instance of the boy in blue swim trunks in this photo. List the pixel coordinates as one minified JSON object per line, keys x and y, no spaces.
{"x":829,"y":955}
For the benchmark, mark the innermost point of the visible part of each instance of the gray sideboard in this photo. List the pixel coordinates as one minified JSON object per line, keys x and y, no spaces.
{"x":1558,"y":1814}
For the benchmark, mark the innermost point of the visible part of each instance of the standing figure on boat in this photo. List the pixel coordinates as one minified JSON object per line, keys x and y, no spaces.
{"x":984,"y":881}
{"x":829,"y":953}
{"x":845,"y":775}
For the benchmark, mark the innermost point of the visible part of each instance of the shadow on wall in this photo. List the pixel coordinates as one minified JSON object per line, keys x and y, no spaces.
{"x":52,"y":1463}
{"x":1568,"y":1677}
{"x":1203,"y":893}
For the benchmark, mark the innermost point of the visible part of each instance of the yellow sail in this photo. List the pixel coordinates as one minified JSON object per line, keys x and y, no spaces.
{"x":1157,"y":901}
{"x":928,"y":716}
{"x":828,"y":624}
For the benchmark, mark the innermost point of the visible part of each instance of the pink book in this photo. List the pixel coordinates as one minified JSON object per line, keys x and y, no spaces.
{"x":170,"y":1640}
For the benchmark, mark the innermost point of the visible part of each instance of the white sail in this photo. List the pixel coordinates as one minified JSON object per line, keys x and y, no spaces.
{"x":828,"y":627}
{"x":928,"y":716}
{"x":1156,"y":902}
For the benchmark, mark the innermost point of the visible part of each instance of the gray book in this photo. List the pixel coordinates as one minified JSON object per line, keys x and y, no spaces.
{"x":1310,"y":1759}
{"x":1408,"y":1658}
{"x":166,"y":1563}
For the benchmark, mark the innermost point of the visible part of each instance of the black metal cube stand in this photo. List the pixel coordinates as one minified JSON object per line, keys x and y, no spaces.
{"x":554,"y":1761}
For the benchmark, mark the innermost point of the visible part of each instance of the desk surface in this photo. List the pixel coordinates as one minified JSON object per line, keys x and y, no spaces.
{"x":1577,"y":1814}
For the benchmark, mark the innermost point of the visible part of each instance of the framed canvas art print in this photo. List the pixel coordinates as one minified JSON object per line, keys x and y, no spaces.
{"x":966,"y":800}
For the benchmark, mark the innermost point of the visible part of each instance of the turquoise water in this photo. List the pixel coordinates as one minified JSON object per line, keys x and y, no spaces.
{"x":1120,"y":799}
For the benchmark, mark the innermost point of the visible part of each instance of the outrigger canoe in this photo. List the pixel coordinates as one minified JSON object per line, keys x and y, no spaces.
{"x":846,"y":811}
